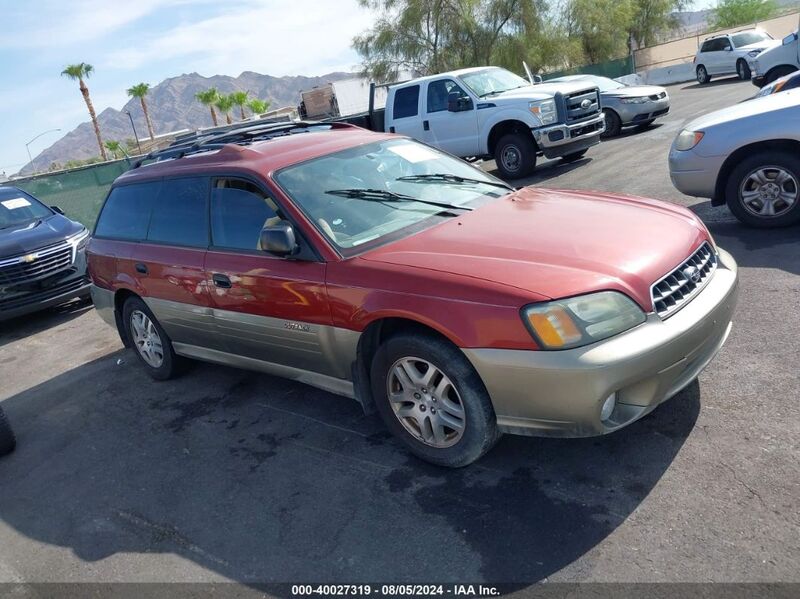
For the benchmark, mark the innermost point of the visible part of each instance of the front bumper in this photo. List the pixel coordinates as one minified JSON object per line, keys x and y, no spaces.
{"x":560,"y":393}
{"x":560,"y":140}
{"x":693,"y":174}
{"x":75,"y":285}
{"x":633,"y":114}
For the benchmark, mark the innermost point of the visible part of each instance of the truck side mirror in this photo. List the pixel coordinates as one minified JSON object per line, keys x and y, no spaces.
{"x":279,"y":240}
{"x":456,"y":102}
{"x":537,"y":79}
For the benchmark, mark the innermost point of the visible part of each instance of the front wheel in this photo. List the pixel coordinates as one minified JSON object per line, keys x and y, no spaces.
{"x":743,"y":70}
{"x":7,"y":439}
{"x":702,"y":75}
{"x":764,"y":190}
{"x":613,"y":123}
{"x":777,"y":73}
{"x":150,"y":341}
{"x":515,"y":155}
{"x":431,"y":398}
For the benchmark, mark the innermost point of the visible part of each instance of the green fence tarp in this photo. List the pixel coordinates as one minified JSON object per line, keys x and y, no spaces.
{"x":79,"y":192}
{"x":610,"y":68}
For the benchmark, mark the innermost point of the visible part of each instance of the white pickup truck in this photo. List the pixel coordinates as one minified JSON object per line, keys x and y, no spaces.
{"x":776,"y":62}
{"x":489,"y":112}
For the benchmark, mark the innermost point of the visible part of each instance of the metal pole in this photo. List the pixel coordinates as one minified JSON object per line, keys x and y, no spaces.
{"x":136,"y":137}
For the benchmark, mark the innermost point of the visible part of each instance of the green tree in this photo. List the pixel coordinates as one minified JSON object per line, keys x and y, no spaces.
{"x":652,"y":17}
{"x":601,"y":27}
{"x":140,"y":90}
{"x":239,"y":98}
{"x":114,"y":147}
{"x":209,"y":98}
{"x":258,"y":106}
{"x":225,"y":104}
{"x":732,"y":13}
{"x":79,"y":72}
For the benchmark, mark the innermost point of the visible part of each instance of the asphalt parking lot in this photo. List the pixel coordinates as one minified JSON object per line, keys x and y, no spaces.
{"x":229,"y":475}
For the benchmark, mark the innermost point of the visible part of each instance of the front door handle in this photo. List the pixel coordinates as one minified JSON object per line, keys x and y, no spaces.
{"x":221,"y":281}
{"x":426,"y":125}
{"x":141,"y":268}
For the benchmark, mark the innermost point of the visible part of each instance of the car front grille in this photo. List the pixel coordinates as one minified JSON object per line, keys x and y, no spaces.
{"x":577,"y":109}
{"x":680,"y":286}
{"x":35,"y":265}
{"x":18,"y":301}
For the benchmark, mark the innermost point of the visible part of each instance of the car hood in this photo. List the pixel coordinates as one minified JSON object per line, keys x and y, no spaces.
{"x":633,"y":91}
{"x":789,"y":99}
{"x":762,"y":45}
{"x":540,"y":91}
{"x":20,"y":239}
{"x":557,"y":243}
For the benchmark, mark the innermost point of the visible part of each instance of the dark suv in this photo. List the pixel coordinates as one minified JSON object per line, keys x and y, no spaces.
{"x":42,"y":255}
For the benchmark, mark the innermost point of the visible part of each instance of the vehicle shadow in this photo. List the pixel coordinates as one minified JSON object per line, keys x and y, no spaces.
{"x":31,"y":324}
{"x":545,"y":170}
{"x":264,"y":480}
{"x":727,"y":80}
{"x":632,"y":131}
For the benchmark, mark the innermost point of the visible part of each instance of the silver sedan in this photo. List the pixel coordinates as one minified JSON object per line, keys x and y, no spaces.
{"x":626,"y":105}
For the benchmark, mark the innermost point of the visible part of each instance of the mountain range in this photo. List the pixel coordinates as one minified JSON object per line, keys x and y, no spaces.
{"x":172,"y":107}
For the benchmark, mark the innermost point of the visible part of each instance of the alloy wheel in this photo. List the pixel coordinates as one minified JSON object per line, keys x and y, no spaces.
{"x":426,"y":402}
{"x":146,"y":339}
{"x":769,"y":191}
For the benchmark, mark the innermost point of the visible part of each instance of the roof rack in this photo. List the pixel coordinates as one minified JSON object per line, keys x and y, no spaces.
{"x":215,"y":140}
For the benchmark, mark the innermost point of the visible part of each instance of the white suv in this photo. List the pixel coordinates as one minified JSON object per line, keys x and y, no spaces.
{"x":731,"y":53}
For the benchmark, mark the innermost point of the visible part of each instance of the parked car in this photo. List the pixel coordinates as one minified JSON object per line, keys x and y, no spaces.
{"x":379,"y":268}
{"x":748,"y":156}
{"x":42,"y":255}
{"x":7,"y":439}
{"x":489,"y":112}
{"x":785,"y":83}
{"x":625,"y":105}
{"x":731,"y":53}
{"x":777,"y":62}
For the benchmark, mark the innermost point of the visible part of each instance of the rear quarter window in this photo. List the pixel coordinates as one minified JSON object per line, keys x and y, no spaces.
{"x":406,"y":102}
{"x":126,"y":213}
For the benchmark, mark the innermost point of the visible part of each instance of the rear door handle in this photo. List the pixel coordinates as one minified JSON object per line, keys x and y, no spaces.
{"x":221,"y":280}
{"x":141,"y":268}
{"x":426,"y":125}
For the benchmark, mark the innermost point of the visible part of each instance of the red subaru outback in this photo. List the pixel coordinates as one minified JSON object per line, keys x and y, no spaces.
{"x":378,"y":268}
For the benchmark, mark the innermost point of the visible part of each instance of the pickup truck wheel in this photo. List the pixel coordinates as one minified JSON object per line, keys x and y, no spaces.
{"x":150,"y":341}
{"x":7,"y":439}
{"x":764,"y":190}
{"x":515,"y":155}
{"x":702,"y":75}
{"x":613,"y":123}
{"x":743,"y":69}
{"x":431,"y":398}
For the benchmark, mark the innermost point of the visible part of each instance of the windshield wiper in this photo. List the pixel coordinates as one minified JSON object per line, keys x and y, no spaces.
{"x":502,"y":91}
{"x":384,"y":195}
{"x":448,"y":178}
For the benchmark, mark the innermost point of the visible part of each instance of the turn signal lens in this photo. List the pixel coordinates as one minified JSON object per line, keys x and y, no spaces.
{"x":686,"y":140}
{"x":554,"y":327}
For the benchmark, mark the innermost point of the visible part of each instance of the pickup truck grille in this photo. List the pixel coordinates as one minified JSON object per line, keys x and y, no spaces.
{"x":578,"y":109}
{"x":36,"y":265}
{"x":681,"y":285}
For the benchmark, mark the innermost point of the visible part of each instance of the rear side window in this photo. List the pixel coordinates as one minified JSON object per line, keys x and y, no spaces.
{"x":180,"y":216}
{"x":239,"y":210}
{"x":126,"y":213}
{"x":406,"y":102}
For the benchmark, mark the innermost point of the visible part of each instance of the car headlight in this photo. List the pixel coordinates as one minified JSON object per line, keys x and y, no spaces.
{"x":79,"y":240}
{"x":581,"y":320}
{"x":686,"y":139}
{"x":754,"y":53}
{"x":638,"y":100}
{"x":545,"y":110}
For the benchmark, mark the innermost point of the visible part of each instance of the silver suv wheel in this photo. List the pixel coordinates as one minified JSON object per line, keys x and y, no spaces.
{"x":769,"y":191}
{"x":146,"y":339}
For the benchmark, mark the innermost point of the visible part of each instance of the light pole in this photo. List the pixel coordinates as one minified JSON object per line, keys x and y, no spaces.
{"x":136,"y":137}
{"x":27,"y":145}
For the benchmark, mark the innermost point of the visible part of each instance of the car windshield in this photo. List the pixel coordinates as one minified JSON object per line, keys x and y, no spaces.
{"x":18,"y":208}
{"x":366,"y":193}
{"x":745,"y":38}
{"x":492,"y":81}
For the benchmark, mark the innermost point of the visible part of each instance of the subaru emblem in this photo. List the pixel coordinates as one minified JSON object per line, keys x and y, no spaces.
{"x":692,"y":274}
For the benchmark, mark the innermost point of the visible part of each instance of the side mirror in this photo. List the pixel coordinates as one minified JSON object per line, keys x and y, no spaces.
{"x":458,"y":103}
{"x":279,"y":240}
{"x":728,"y":49}
{"x":57,"y":209}
{"x":537,"y":79}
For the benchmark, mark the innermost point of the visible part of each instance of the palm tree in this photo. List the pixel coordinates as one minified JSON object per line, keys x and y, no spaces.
{"x":224,"y":104}
{"x":114,"y":147}
{"x":140,"y":91}
{"x":239,"y":98}
{"x":258,"y":107}
{"x":209,"y":98}
{"x":79,"y":72}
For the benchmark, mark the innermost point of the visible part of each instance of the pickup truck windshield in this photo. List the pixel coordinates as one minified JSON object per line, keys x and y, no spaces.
{"x":364,"y":194}
{"x":17,"y":208}
{"x":492,"y":81}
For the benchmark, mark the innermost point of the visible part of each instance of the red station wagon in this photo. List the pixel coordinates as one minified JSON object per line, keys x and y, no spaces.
{"x":376,"y":267}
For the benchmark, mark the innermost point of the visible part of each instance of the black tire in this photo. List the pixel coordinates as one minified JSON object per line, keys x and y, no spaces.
{"x":739,"y":176}
{"x":702,"y":75}
{"x":479,"y":424}
{"x":743,"y":70}
{"x":777,"y":73}
{"x":8,"y":442}
{"x":613,"y":123}
{"x":523,"y":146}
{"x":171,"y":363}
{"x":574,"y":157}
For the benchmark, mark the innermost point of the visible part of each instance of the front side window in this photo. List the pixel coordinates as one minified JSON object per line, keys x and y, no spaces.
{"x":180,"y":216}
{"x":439,"y":92}
{"x":18,"y":208}
{"x":126,"y":213}
{"x":349,"y":197}
{"x":239,"y":211}
{"x":406,"y":102}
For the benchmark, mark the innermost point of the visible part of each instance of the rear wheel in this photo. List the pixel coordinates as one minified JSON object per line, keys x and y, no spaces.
{"x":613,"y":123}
{"x":7,"y":439}
{"x":702,"y":75}
{"x":150,"y":341}
{"x":764,"y":190}
{"x":515,"y":155}
{"x":743,"y":69}
{"x":431,"y":398}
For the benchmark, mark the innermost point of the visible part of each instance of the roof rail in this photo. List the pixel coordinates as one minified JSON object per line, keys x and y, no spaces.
{"x":207,"y":142}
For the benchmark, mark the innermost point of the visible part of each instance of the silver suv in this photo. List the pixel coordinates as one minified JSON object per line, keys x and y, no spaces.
{"x":730,"y":54}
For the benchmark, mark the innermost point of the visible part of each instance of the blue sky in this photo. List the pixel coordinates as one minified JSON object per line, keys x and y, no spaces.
{"x":149,"y":40}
